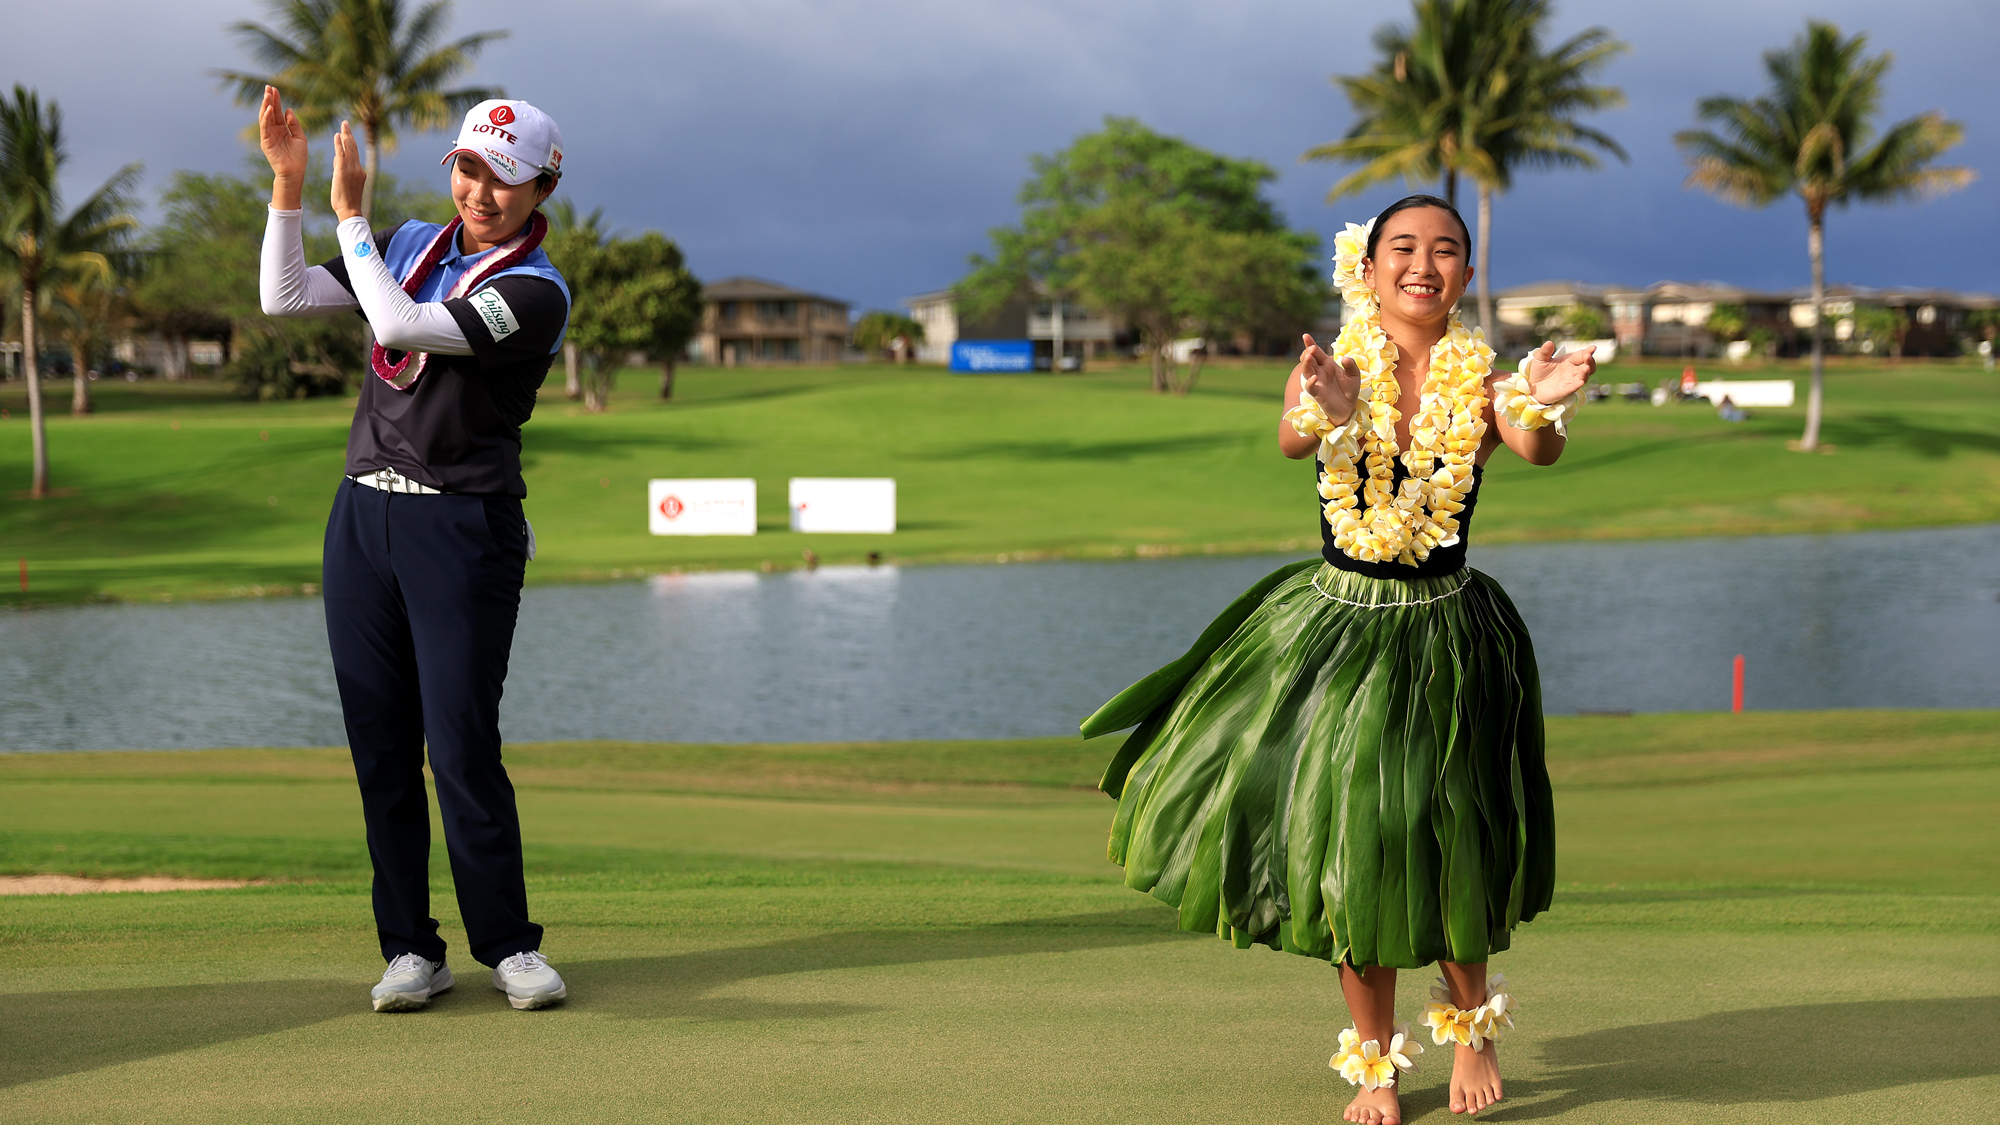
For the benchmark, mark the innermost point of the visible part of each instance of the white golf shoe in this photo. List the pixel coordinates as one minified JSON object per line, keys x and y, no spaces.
{"x":529,"y":981}
{"x":409,"y":983}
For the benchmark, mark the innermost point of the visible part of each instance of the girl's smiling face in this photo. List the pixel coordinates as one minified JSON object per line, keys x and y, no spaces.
{"x":1419,"y":268}
{"x":492,"y":209}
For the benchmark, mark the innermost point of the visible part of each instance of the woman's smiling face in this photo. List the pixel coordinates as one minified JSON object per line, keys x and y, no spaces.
{"x":492,"y":209}
{"x":1419,"y":269}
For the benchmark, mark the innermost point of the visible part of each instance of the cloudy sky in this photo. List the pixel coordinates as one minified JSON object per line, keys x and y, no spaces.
{"x":862,"y":148}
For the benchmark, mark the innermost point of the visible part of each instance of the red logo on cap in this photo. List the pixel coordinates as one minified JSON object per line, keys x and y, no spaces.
{"x":502,"y":115}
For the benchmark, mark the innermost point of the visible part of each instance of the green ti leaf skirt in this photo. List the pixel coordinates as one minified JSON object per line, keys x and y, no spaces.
{"x":1344,"y":767}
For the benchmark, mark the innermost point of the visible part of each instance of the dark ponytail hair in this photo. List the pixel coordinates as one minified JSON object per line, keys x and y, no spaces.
{"x":1404,"y":204}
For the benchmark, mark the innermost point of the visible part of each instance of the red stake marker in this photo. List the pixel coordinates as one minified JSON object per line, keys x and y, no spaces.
{"x":1736,"y":700}
{"x":24,"y":576}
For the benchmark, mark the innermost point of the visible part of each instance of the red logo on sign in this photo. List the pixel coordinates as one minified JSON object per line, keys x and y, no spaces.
{"x":672,"y":507}
{"x":501,"y":115}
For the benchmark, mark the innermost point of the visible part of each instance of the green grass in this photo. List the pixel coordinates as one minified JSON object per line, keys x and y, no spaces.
{"x":1772,"y":918}
{"x":174,"y":491}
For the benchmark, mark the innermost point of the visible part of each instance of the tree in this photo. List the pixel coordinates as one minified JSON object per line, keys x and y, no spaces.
{"x":372,"y":61}
{"x":569,"y":243}
{"x":1727,"y":322}
{"x":1409,"y":109}
{"x":1154,"y":232}
{"x":42,"y":246}
{"x":1878,"y":330}
{"x":1526,"y":116}
{"x":633,"y":295}
{"x":880,"y":331}
{"x":199,"y":278}
{"x":85,"y":307}
{"x":1812,"y":134}
{"x":1581,"y":322}
{"x":1469,"y":90}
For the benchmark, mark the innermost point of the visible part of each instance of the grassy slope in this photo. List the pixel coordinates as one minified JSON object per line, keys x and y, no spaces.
{"x":928,"y":932}
{"x":233,"y":500}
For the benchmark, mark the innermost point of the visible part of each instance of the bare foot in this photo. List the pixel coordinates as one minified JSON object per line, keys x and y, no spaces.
{"x":1375,"y":1107}
{"x":1475,"y":1078}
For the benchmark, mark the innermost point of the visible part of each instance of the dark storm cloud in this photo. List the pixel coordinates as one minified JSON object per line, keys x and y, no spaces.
{"x":863,"y":149}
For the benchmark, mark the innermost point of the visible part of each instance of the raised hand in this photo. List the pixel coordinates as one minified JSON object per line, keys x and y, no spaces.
{"x":284,"y":143}
{"x":1551,"y":380}
{"x":1333,"y":383}
{"x":350,"y":179}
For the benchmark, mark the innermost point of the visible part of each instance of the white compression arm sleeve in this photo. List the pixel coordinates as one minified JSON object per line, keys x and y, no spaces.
{"x":285,"y":285}
{"x":399,"y":323}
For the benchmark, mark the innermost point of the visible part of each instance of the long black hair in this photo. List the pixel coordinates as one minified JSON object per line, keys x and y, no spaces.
{"x":1404,"y":204}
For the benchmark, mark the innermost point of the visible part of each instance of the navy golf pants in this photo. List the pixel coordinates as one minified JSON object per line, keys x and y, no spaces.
{"x":421,"y":597}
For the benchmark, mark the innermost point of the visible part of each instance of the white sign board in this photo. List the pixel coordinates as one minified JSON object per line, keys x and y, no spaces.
{"x":844,"y":504}
{"x":1748,"y":392}
{"x":725,"y":506}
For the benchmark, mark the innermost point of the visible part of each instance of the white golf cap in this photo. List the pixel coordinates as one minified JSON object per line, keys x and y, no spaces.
{"x":516,"y":140}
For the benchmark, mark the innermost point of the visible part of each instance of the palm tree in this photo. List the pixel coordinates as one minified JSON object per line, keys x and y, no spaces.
{"x":1812,"y":134}
{"x":368,"y":60}
{"x":1525,"y":114}
{"x":570,"y":240}
{"x":1469,"y":91}
{"x":40,"y":245}
{"x":84,"y":306}
{"x":1408,"y":110}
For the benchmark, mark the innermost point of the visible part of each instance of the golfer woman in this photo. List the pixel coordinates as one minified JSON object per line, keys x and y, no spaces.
{"x":426,"y":546}
{"x":1348,"y":764}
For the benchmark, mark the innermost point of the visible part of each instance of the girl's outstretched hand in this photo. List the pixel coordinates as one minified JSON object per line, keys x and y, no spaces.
{"x":284,"y":143}
{"x":1552,"y":380}
{"x":1333,"y":383}
{"x":350,"y":178}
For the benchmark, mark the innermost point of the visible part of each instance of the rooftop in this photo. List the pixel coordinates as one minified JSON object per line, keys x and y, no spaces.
{"x":758,"y":289}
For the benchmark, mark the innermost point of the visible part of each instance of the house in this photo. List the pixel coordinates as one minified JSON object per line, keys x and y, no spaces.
{"x":747,"y":321}
{"x":1080,"y":333}
{"x":1519,"y":309}
{"x":1672,"y":317}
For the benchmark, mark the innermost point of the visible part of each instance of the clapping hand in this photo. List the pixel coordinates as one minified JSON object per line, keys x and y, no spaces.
{"x":1551,"y":380}
{"x":283,"y":141}
{"x":1333,"y":383}
{"x":350,"y":178}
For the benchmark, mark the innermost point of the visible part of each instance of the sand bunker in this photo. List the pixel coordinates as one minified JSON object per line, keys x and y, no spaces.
{"x":73,"y":885}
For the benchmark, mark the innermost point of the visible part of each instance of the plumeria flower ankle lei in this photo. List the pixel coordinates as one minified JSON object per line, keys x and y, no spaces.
{"x":1473,"y":1027}
{"x":1368,"y":1066}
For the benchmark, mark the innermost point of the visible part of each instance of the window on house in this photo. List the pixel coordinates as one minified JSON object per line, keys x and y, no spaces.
{"x":726,"y":310}
{"x":786,"y":348}
{"x":777,"y":310}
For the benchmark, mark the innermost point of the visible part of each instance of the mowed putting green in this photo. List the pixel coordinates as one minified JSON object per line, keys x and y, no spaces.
{"x":1765,"y":918}
{"x":185,"y":490}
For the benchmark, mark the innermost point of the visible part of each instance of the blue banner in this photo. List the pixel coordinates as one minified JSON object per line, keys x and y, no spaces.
{"x":993,"y":355}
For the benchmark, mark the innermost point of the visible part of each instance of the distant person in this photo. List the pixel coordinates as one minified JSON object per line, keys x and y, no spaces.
{"x":1349,"y":763}
{"x":1728,"y":411}
{"x":426,"y":547}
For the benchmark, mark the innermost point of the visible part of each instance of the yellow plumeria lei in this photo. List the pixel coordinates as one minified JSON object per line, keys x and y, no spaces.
{"x":1367,"y":1065}
{"x":1520,"y":409}
{"x":1473,"y":1027}
{"x":1396,"y":525}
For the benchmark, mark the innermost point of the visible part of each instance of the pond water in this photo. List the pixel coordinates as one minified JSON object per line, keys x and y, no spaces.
{"x":1903,"y":619}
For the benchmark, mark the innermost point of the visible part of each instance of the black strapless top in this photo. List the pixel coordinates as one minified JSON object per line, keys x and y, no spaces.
{"x":1442,"y":560}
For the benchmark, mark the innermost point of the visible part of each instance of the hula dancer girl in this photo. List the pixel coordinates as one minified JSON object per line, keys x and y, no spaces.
{"x":1348,"y":764}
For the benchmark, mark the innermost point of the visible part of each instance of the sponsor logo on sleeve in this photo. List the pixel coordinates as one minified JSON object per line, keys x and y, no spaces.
{"x":494,"y":313}
{"x":363,"y":248}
